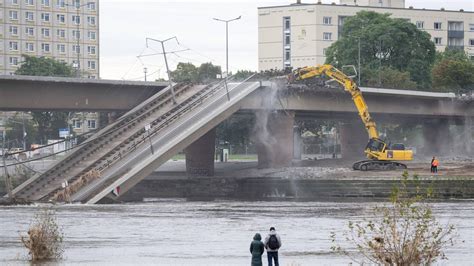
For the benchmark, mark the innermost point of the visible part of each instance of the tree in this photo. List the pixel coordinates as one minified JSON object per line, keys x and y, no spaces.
{"x":42,"y":66}
{"x":243,"y":74}
{"x":385,"y":43}
{"x":208,"y":71}
{"x":403,"y":233}
{"x":453,"y":72}
{"x":48,"y":122}
{"x":390,"y":78}
{"x":185,"y":72}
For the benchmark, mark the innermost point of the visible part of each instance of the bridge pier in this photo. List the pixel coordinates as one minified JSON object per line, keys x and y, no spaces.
{"x":437,"y":139}
{"x":275,"y":139}
{"x":297,"y":143}
{"x":468,"y":135}
{"x":354,"y":138}
{"x":200,"y":155}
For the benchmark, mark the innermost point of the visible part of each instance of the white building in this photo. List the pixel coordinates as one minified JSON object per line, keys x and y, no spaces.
{"x":60,"y":29}
{"x":298,"y":35}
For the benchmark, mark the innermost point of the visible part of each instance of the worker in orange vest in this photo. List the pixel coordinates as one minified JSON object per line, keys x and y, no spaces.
{"x":434,"y":165}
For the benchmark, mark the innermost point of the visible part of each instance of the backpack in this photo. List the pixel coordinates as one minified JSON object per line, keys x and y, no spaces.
{"x":273,"y":242}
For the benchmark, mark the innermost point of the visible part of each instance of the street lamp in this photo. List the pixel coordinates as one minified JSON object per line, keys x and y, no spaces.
{"x":227,"y":46}
{"x":77,"y":5}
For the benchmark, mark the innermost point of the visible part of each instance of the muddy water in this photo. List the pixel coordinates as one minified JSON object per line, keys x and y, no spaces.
{"x":209,"y":233}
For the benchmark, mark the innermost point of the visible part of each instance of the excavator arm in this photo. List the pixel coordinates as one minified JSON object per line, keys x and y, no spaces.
{"x":348,"y":84}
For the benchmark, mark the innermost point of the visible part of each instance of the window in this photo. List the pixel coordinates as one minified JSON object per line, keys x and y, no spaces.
{"x":437,"y":25}
{"x":91,"y":6}
{"x":13,"y":46}
{"x":76,"y":123}
{"x":61,"y":33}
{"x":91,"y":65}
{"x":91,"y":124}
{"x":91,"y":50}
{"x":45,"y":2}
{"x":287,"y":55}
{"x":29,"y":2}
{"x":420,"y":24}
{"x":45,"y":47}
{"x":286,"y":23}
{"x":471,"y":27}
{"x":471,"y":42}
{"x":14,"y":61}
{"x":61,"y":48}
{"x":30,"y":47}
{"x":76,"y":34}
{"x":76,"y":19}
{"x":76,"y":49}
{"x":30,"y":31}
{"x":327,"y":36}
{"x":61,"y":18}
{"x":91,"y":35}
{"x":45,"y":17}
{"x":61,"y":3}
{"x":327,"y":20}
{"x":287,"y":39}
{"x":77,"y":3}
{"x":438,"y":40}
{"x":14,"y":30}
{"x":14,"y":2}
{"x":13,"y":15}
{"x":45,"y":32}
{"x":91,"y":20}
{"x":29,"y":16}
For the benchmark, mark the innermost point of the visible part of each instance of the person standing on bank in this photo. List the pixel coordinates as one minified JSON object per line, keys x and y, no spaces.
{"x":257,"y":249}
{"x":434,"y":165}
{"x":272,"y":244}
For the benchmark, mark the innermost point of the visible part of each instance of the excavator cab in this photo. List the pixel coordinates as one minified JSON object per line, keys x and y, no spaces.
{"x":376,"y":145}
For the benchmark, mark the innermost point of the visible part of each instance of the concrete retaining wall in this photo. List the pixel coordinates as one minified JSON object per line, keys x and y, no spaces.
{"x":276,"y":188}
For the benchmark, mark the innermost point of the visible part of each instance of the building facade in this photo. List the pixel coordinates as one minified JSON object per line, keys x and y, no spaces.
{"x":66,"y":30}
{"x":298,"y":35}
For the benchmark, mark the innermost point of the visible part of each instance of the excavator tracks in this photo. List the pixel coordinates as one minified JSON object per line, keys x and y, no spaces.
{"x":368,"y":165}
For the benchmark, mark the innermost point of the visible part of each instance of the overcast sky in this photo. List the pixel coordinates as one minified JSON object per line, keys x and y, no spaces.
{"x":124,"y":25}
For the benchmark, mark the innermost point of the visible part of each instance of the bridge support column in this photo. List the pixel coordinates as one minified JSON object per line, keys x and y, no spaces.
{"x":297,"y":143}
{"x":468,"y":135}
{"x":274,"y":139}
{"x":437,"y":140}
{"x":353,"y":140}
{"x":200,"y":155}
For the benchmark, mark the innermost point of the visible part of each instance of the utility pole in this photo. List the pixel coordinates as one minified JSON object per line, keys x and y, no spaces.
{"x":78,"y":22}
{"x":145,"y":70}
{"x":359,"y":64}
{"x":166,"y":62}
{"x":227,"y":48}
{"x":8,"y":182}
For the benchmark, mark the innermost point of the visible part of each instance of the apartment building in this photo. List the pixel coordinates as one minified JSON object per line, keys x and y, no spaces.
{"x":66,"y":30}
{"x":298,"y":35}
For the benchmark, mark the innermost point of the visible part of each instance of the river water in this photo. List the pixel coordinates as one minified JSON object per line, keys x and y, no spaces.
{"x":209,"y":233}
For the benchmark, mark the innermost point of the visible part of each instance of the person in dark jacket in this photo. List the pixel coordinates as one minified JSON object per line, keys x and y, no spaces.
{"x":257,"y":248}
{"x":272,"y":244}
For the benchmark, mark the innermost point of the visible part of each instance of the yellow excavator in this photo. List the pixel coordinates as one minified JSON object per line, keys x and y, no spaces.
{"x":380,"y":155}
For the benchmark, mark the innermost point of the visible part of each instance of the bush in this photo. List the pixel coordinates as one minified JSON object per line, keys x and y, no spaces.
{"x":404,"y":233}
{"x":44,"y":240}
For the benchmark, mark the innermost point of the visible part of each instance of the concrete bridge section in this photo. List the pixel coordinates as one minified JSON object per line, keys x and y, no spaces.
{"x":25,"y":93}
{"x":435,"y":110}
